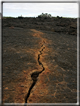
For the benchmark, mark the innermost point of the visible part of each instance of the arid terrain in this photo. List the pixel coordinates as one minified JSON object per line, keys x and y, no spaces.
{"x":39,"y":60}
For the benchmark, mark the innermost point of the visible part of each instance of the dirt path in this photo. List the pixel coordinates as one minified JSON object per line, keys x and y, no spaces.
{"x":46,"y":76}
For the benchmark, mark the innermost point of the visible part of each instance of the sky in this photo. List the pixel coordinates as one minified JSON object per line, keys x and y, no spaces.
{"x":35,"y":9}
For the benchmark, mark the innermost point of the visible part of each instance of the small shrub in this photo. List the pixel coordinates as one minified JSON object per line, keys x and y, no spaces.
{"x":45,"y":15}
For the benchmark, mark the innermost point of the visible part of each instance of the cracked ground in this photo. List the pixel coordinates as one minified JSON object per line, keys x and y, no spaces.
{"x":56,"y":84}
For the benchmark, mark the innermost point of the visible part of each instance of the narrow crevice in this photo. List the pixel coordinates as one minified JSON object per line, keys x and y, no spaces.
{"x":35,"y":75}
{"x":41,"y":45}
{"x":40,"y":61}
{"x":27,"y":96}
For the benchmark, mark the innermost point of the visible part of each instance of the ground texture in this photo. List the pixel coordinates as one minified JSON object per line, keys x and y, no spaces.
{"x":30,"y":50}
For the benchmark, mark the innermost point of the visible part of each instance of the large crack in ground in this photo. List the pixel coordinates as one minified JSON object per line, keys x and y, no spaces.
{"x":35,"y":74}
{"x":54,"y":84}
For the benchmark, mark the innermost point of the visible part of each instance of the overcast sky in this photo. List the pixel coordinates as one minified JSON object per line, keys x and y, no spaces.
{"x":35,"y":9}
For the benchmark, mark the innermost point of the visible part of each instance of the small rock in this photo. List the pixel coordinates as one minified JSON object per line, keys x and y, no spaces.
{"x":6,"y":88}
{"x":22,"y":85}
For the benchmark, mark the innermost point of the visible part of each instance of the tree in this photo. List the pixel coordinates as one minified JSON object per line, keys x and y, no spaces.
{"x":44,"y":15}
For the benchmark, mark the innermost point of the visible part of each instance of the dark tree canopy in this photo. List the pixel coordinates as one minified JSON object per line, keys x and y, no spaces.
{"x":45,"y":15}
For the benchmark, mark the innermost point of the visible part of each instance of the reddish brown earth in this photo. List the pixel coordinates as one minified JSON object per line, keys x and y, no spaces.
{"x":57,"y":83}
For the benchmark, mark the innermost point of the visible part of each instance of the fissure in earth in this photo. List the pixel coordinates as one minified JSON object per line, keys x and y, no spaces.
{"x":35,"y":74}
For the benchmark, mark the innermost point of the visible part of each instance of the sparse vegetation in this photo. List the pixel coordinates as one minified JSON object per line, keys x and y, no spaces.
{"x":7,"y":17}
{"x":59,"y":17}
{"x":45,"y":15}
{"x":45,"y":22}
